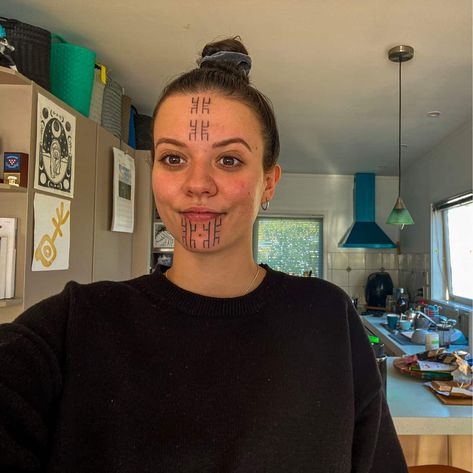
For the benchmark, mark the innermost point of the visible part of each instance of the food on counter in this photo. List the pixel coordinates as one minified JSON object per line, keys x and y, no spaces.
{"x":451,"y":388}
{"x":437,"y":365}
{"x":463,"y":373}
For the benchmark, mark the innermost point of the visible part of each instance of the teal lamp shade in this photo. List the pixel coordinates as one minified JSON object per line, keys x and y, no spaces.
{"x":399,"y":214}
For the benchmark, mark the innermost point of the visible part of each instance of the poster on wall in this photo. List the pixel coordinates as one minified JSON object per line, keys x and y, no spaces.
{"x":52,"y":234}
{"x":162,"y":238}
{"x":123,"y":192}
{"x":55,"y":149}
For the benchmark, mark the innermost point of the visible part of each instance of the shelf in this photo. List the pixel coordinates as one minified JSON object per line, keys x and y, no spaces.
{"x":10,"y":302}
{"x":11,"y":77}
{"x":9,"y":188}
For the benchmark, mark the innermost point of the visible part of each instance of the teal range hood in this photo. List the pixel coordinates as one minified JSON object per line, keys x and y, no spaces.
{"x":365,"y":232}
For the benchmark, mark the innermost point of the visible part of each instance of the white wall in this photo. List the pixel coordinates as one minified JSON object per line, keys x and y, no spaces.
{"x":331,"y":196}
{"x":446,"y":170}
{"x":443,"y":172}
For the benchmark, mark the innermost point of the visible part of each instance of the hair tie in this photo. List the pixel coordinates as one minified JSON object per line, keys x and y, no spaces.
{"x":241,"y":60}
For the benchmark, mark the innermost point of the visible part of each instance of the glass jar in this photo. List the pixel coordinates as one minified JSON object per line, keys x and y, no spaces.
{"x":445,"y":334}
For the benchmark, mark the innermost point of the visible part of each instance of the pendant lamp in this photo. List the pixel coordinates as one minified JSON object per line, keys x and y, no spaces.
{"x":399,"y":214}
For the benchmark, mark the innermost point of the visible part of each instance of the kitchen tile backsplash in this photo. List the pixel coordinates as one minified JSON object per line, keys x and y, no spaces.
{"x":390,"y":261}
{"x":414,"y":273}
{"x":373,"y":260}
{"x":340,"y":277}
{"x":351,"y":270}
{"x":356,"y":260}
{"x":357,"y":277}
{"x":339,"y":260}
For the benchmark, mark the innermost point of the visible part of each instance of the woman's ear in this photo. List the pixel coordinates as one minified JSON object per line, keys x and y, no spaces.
{"x":271,"y":180}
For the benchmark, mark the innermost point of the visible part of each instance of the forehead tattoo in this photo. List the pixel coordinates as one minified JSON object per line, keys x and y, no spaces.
{"x":199,"y":123}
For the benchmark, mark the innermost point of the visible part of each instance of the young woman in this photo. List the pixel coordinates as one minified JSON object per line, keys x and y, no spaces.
{"x":218,"y":365}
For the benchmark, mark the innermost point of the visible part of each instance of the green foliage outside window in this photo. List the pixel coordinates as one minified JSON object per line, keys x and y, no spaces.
{"x":292,"y":245}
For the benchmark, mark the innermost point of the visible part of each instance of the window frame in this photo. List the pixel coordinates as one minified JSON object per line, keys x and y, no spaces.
{"x":319,"y":218}
{"x":441,"y":283}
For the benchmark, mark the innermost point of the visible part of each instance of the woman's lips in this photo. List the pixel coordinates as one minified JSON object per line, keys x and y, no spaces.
{"x":201,"y":215}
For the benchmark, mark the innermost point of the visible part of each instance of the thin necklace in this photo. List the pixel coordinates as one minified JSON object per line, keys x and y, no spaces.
{"x":249,"y":287}
{"x":253,"y":280}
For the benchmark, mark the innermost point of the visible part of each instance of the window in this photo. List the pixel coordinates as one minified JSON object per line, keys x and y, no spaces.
{"x":452,"y":249}
{"x":290,"y":244}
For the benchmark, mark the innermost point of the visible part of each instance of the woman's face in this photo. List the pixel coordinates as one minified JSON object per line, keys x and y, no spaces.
{"x":208,"y":177}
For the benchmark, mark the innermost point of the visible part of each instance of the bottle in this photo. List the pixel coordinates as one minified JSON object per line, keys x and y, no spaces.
{"x":402,"y":301}
{"x":378,"y":349}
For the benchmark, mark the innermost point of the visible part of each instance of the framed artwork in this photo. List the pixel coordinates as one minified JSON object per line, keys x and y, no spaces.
{"x":162,"y":239}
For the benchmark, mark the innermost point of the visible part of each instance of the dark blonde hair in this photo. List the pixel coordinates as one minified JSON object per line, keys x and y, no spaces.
{"x":230,"y":80}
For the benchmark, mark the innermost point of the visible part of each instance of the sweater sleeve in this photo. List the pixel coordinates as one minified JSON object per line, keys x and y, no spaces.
{"x":375,"y":447}
{"x":30,"y":383}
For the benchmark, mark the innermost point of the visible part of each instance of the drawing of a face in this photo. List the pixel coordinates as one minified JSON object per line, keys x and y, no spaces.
{"x":208,"y":177}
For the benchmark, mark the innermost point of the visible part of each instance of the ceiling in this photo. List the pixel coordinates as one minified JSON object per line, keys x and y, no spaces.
{"x":323,"y":63}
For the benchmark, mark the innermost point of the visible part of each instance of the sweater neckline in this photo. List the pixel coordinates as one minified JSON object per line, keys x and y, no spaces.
{"x":162,"y":289}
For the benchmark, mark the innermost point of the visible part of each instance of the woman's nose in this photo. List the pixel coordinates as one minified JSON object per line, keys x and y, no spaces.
{"x":199,"y":180}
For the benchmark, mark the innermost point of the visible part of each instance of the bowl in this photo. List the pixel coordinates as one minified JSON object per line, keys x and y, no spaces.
{"x":418,"y":337}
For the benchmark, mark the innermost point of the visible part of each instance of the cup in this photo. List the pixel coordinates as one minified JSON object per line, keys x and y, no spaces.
{"x":404,"y":324}
{"x":392,"y":319}
{"x":432,"y":341}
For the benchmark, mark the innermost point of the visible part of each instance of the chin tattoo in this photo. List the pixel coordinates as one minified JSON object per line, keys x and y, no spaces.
{"x":201,"y":235}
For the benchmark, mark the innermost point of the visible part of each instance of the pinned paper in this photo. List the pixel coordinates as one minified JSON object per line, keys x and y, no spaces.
{"x":123,"y":215}
{"x":8,"y":228}
{"x":55,"y":149}
{"x":51,"y":233}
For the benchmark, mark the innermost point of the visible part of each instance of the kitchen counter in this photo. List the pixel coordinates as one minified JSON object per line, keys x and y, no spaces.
{"x":416,"y":411}
{"x":392,"y":345}
{"x":414,"y":408}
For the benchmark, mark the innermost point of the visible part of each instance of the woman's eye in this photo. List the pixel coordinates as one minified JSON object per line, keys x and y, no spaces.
{"x":229,"y":161}
{"x":172,"y":160}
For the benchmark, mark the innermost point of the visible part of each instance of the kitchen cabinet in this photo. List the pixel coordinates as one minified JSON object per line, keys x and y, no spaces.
{"x":95,"y":252}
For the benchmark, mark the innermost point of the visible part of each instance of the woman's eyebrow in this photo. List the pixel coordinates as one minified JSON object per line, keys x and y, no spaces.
{"x":231,"y":141}
{"x":170,"y":141}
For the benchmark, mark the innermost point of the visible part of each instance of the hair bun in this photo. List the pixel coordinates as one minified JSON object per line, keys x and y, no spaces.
{"x":226,"y":54}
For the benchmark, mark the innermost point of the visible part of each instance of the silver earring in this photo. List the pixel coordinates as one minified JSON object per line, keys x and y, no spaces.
{"x":265,"y":205}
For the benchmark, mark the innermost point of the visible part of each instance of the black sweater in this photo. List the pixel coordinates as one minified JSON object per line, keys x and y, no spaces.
{"x":142,"y":376}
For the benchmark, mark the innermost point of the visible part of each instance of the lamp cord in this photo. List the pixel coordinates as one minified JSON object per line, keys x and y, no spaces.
{"x":399,"y":184}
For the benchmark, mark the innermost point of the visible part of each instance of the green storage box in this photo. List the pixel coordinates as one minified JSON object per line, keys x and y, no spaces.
{"x":72,"y":73}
